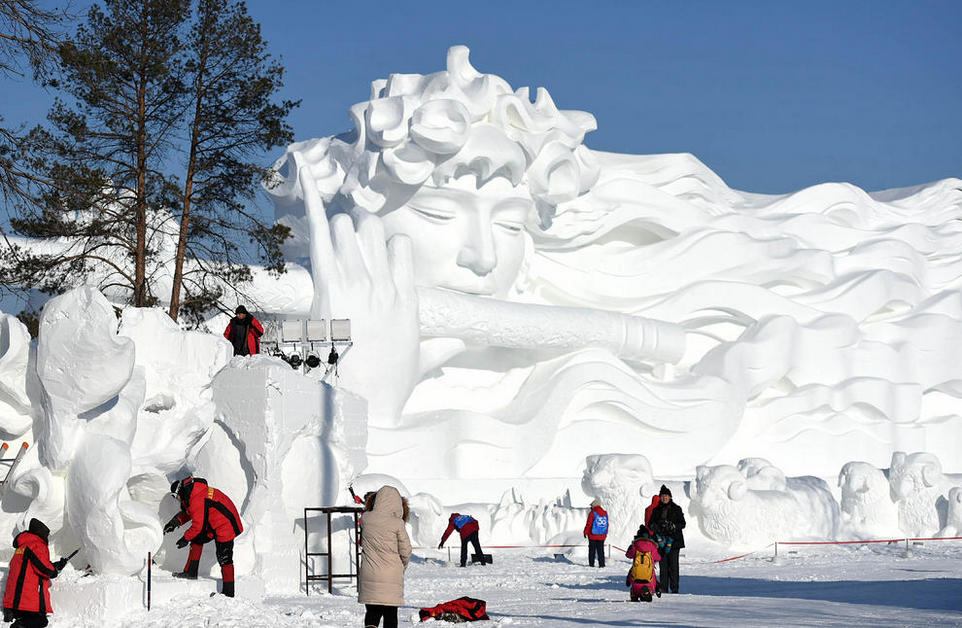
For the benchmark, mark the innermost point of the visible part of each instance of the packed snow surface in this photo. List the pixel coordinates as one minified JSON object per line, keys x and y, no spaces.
{"x":837,"y":586}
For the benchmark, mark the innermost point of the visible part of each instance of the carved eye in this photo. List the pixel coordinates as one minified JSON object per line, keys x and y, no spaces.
{"x":433,"y":214}
{"x":510,"y":227}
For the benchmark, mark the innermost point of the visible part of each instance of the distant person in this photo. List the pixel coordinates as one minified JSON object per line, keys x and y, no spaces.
{"x":213,"y":517}
{"x":641,"y":576}
{"x":386,"y":554}
{"x":244,"y":332}
{"x":596,"y":531}
{"x":467,"y":527}
{"x":26,"y":597}
{"x":668,"y":520}
{"x":655,"y":500}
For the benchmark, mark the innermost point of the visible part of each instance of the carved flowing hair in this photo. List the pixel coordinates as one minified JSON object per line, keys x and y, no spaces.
{"x":418,"y":128}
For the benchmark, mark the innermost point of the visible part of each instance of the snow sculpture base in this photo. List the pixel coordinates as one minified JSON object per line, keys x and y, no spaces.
{"x":281,"y":442}
{"x":97,"y":600}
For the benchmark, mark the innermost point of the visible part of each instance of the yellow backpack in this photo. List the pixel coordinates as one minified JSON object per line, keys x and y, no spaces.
{"x":643,"y":567}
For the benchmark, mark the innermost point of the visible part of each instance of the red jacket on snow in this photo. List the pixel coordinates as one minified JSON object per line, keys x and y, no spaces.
{"x":28,"y":583}
{"x":597,"y":511}
{"x":466,"y":529}
{"x":211,"y":513}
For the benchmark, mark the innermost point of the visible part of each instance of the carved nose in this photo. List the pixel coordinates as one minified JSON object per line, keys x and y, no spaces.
{"x":478,"y":252}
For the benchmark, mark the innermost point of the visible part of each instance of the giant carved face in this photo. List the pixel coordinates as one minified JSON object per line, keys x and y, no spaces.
{"x":466,"y":238}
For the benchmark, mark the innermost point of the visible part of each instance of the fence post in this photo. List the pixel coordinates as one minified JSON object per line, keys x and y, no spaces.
{"x":776,"y":549}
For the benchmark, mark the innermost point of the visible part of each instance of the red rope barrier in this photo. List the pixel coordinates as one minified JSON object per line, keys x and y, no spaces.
{"x":929,"y":538}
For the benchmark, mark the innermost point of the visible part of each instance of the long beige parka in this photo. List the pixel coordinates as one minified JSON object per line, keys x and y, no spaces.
{"x":386,"y":551}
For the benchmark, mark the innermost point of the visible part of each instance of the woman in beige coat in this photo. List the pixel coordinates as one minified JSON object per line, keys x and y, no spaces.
{"x":387,"y":551}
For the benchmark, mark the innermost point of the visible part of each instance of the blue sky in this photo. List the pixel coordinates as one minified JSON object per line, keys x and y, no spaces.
{"x":772,"y":95}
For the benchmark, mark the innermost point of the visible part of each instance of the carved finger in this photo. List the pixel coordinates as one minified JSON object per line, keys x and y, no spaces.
{"x":401,"y":259}
{"x":322,"y":251}
{"x":353,"y":268}
{"x":370,"y":233}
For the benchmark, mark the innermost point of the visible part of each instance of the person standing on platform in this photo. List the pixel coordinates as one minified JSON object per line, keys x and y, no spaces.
{"x":244,"y":332}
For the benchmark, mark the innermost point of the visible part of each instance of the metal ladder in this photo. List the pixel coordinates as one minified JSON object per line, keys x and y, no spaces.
{"x":12,"y":463}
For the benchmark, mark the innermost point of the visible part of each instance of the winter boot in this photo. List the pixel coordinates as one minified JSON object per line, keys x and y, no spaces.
{"x":193,"y":563}
{"x":227,"y":571}
{"x":634,"y":598}
{"x":646,"y":595}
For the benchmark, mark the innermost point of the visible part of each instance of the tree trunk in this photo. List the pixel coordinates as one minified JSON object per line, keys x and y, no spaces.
{"x":178,"y":280}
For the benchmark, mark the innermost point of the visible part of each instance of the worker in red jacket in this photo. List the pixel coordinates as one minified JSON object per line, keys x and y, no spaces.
{"x":244,"y":332}
{"x":213,"y":516}
{"x":596,"y":531}
{"x":467,"y":527}
{"x":26,"y":597}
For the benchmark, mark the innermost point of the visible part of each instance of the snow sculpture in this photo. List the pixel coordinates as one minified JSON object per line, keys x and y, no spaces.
{"x":281,"y":442}
{"x":15,"y":413}
{"x":867,"y":507}
{"x":91,"y":395}
{"x":117,"y":410}
{"x":621,"y":482}
{"x":731,"y":513}
{"x":920,"y":488}
{"x":953,"y":523}
{"x":826,"y":321}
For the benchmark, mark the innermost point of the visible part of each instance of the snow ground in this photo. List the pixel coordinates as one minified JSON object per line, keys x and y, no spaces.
{"x":831,"y":586}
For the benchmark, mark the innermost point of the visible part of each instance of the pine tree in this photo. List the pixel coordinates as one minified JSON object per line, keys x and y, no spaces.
{"x":233,"y":121}
{"x":153,"y":157}
{"x":104,"y":155}
{"x":29,"y":38}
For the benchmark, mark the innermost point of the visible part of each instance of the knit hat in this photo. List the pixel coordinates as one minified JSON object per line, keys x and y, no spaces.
{"x":37,"y":527}
{"x":240,"y":309}
{"x":595,"y":503}
{"x":664,"y":491}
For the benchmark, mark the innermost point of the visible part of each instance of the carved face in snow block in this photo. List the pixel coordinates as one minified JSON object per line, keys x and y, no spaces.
{"x":466,"y":236}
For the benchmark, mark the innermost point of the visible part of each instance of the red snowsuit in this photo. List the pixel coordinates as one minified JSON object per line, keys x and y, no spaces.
{"x":254,"y":332}
{"x":213,"y":516}
{"x":466,"y":530}
{"x":597,"y":511}
{"x":211,"y":513}
{"x":28,"y":583}
{"x":644,"y":545}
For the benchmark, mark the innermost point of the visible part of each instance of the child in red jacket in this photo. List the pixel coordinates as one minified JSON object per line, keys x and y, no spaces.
{"x":596,"y":531}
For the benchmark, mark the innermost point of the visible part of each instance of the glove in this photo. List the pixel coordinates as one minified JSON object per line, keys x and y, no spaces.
{"x":182,"y":543}
{"x":440,"y":545}
{"x":170,"y":527}
{"x":60,"y":564}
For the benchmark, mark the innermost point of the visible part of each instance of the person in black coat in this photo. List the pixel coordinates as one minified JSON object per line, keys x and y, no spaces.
{"x":668,"y":519}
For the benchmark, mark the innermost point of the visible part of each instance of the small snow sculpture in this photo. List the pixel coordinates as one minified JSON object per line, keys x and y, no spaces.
{"x":919,"y":487}
{"x":730,"y":512}
{"x":867,"y":507}
{"x":619,"y":482}
{"x":953,"y":524}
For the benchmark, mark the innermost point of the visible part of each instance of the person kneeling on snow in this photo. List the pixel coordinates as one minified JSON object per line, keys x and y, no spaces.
{"x":213,"y":517}
{"x":26,"y":598}
{"x":641,"y":576}
{"x":467,"y":527}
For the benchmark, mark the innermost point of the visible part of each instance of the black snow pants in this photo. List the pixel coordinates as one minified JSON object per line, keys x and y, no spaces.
{"x":668,"y":578}
{"x":473,"y":539}
{"x":374,"y":613}
{"x":596,"y":548}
